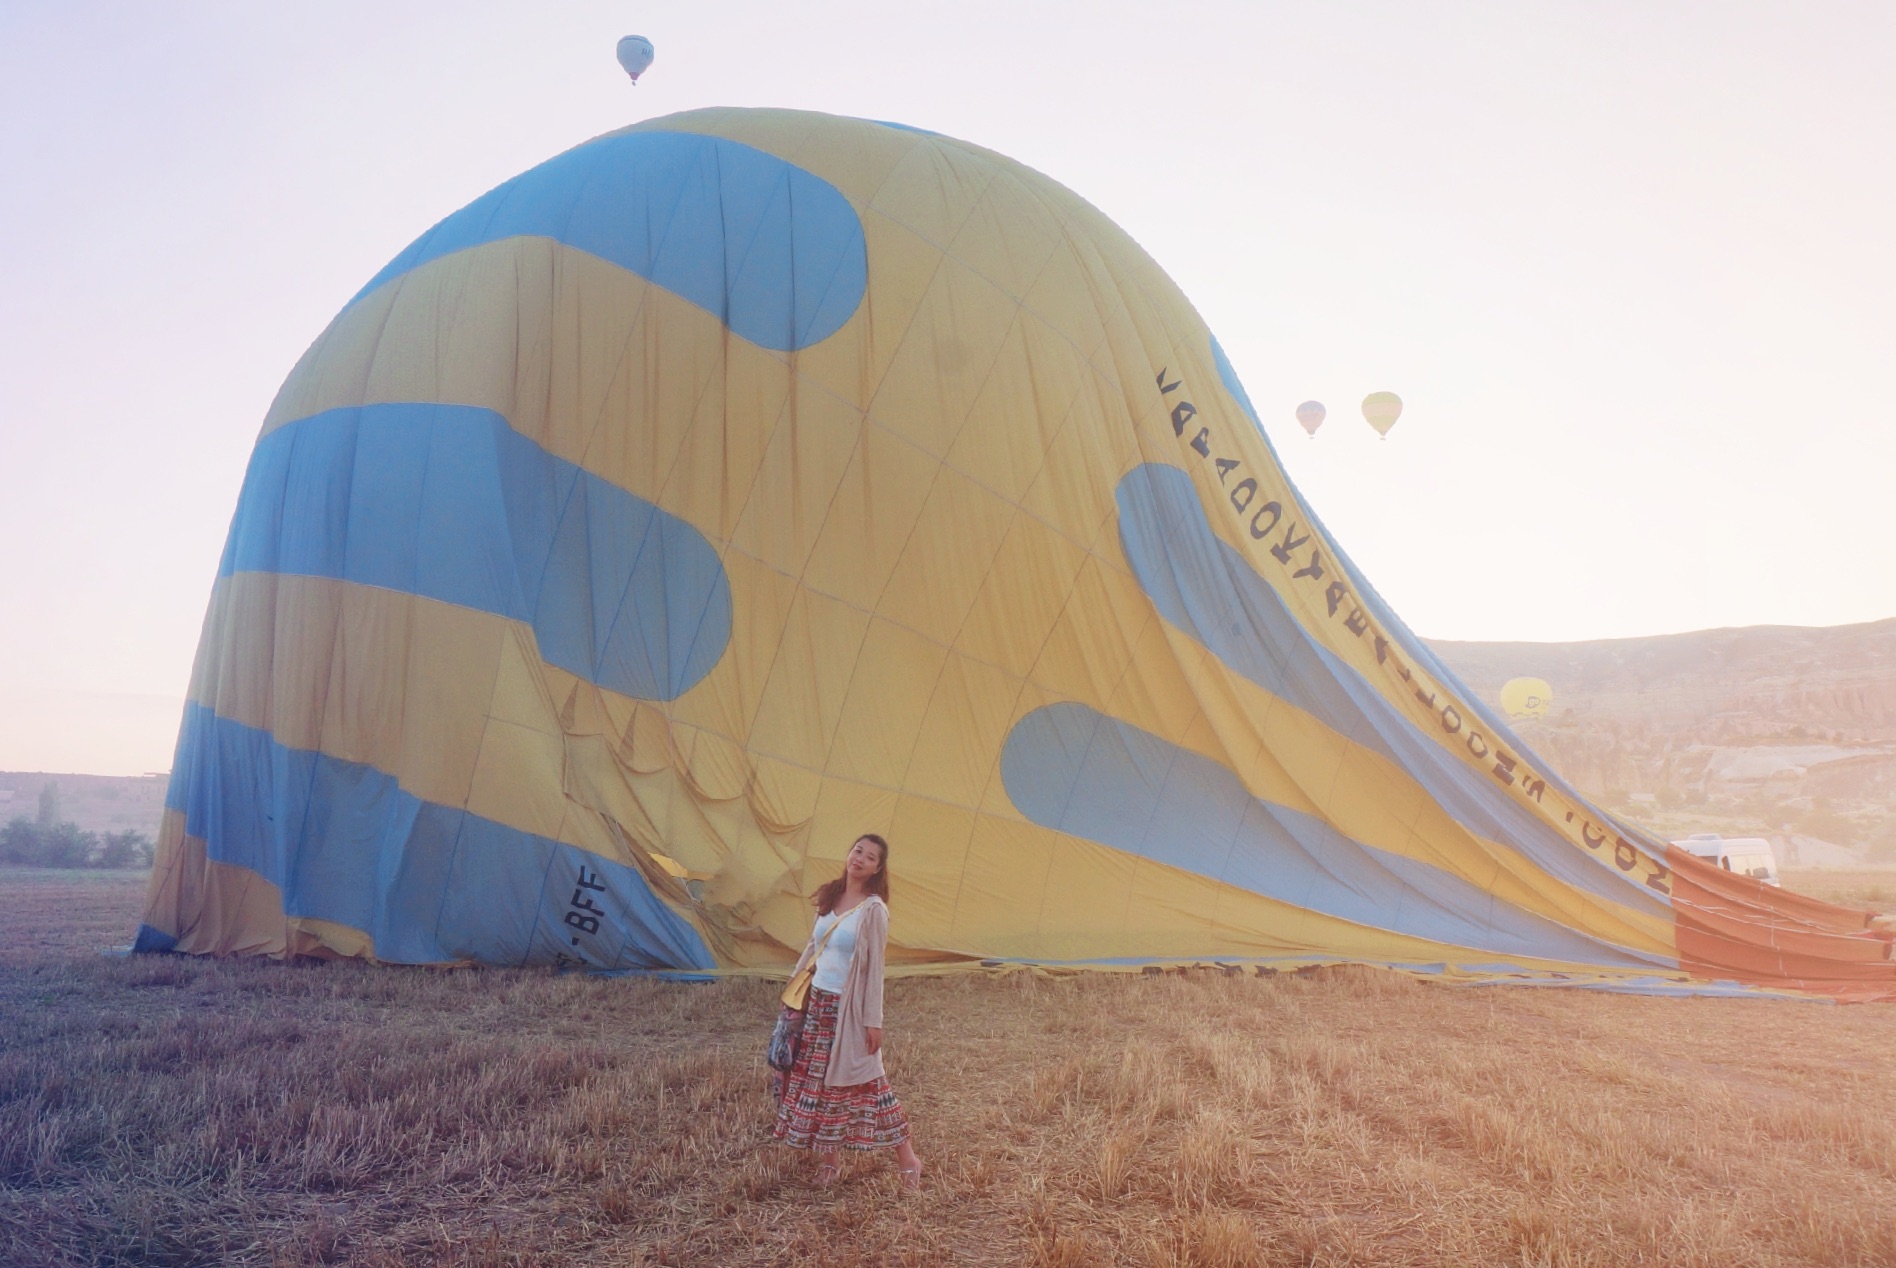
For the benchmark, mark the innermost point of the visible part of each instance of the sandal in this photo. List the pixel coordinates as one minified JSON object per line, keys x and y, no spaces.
{"x":828,"y":1173}
{"x":911,"y":1177}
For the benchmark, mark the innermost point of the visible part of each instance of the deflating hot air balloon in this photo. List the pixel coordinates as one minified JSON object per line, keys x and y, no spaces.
{"x":1382,"y":409}
{"x":1310,"y":414}
{"x":1526,"y":697}
{"x":735,"y":484}
{"x":635,"y":55}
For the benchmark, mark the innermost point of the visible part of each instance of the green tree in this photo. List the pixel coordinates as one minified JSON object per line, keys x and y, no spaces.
{"x":124,"y":849}
{"x":66,"y":845}
{"x":49,"y":804}
{"x":19,"y":842}
{"x":25,"y":843}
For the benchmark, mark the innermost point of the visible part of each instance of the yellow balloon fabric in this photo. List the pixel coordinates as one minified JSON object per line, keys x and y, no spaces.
{"x":748,"y":480}
{"x":1526,"y":697}
{"x":1381,"y":410}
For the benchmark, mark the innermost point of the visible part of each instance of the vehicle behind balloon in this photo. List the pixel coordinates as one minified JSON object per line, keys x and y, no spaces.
{"x":1747,"y":856}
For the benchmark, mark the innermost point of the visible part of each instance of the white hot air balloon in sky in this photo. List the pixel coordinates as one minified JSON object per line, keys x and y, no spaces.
{"x":635,"y":54}
{"x":1310,"y":414}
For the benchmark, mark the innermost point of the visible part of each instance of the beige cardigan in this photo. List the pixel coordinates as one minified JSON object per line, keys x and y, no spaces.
{"x":860,"y":1004}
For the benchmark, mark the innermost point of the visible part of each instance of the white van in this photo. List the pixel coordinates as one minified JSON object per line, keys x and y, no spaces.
{"x":1747,"y":856}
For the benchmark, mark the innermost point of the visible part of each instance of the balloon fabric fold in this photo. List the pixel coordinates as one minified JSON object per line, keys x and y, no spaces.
{"x":744,"y":481}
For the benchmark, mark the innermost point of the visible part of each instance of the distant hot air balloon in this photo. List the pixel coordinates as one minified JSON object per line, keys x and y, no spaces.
{"x":1526,"y":697}
{"x":1382,"y":409}
{"x":635,"y":54}
{"x":1310,"y":414}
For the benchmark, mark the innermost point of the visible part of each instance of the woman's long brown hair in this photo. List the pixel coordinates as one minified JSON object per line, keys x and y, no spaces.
{"x":829,"y":892}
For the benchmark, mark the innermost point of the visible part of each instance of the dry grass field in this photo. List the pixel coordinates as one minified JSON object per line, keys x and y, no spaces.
{"x":178,"y":1111}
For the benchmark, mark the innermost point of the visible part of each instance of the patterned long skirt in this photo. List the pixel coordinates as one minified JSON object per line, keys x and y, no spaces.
{"x":812,"y":1116}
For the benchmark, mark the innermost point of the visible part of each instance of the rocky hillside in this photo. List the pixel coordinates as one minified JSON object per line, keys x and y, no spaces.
{"x":1779,"y":731}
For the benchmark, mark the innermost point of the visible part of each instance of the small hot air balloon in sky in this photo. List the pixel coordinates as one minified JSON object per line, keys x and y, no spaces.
{"x":635,"y":54}
{"x":1310,"y":414}
{"x":1526,"y":697}
{"x":1382,"y":409}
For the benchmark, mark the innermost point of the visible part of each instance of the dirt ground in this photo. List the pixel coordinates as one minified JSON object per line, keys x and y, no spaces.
{"x":50,"y":914}
{"x":164,"y":1110}
{"x":1871,"y":889}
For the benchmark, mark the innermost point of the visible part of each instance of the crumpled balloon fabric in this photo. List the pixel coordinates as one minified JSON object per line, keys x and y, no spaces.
{"x":743,"y":481}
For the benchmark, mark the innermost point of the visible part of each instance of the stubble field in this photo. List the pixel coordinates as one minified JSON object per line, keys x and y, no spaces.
{"x":164,"y":1110}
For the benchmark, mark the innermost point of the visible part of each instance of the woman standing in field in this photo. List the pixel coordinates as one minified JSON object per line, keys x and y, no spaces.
{"x":836,"y":1096}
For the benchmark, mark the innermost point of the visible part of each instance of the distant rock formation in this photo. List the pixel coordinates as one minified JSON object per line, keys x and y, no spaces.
{"x":96,"y":803}
{"x":1782,"y":731}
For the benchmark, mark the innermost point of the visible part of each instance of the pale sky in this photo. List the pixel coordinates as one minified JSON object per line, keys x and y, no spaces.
{"x":1628,"y":264}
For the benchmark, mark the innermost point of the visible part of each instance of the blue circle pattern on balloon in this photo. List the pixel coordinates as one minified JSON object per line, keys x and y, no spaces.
{"x":773,"y":251}
{"x":450,"y":503}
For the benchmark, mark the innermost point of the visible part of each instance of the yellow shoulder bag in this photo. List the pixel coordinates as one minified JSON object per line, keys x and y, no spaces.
{"x":796,"y":993}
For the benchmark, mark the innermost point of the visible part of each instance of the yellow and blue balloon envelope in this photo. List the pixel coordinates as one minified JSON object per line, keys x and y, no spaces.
{"x":746,"y":480}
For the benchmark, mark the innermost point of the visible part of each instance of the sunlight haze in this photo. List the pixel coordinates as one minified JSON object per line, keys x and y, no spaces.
{"x":1627,"y":265}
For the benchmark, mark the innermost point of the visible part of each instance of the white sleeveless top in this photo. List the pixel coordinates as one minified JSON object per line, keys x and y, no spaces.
{"x":832,"y":966}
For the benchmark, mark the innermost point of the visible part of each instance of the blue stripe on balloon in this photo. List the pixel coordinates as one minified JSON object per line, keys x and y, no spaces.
{"x":904,"y":127}
{"x":773,"y":251}
{"x":1228,"y":374}
{"x":429,"y":883}
{"x":1208,"y":589}
{"x":450,"y":503}
{"x":1403,"y":639}
{"x":150,"y":941}
{"x":1072,"y":769}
